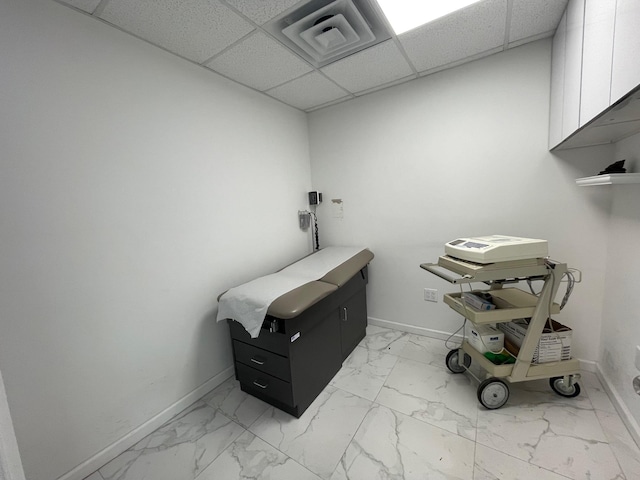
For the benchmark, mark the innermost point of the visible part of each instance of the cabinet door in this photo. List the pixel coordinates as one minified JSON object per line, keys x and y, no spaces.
{"x":599,"y":19}
{"x":557,"y":84}
{"x":353,"y":322}
{"x":573,"y":68}
{"x":626,"y":45}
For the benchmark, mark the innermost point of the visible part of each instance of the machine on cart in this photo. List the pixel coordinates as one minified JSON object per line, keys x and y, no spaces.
{"x":499,"y":261}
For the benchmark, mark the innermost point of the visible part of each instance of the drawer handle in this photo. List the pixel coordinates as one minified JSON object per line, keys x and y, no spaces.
{"x":259,"y":362}
{"x":345,"y":317}
{"x":260,"y":385}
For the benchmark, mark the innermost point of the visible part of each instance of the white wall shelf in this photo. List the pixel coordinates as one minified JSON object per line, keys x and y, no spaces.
{"x":611,"y":179}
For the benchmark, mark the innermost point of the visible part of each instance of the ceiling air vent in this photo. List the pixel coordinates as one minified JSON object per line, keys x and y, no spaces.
{"x":322,"y":32}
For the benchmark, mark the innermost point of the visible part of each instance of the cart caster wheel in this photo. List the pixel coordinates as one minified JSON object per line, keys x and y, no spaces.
{"x":557,"y":385}
{"x":493,"y":393}
{"x":452,"y":361}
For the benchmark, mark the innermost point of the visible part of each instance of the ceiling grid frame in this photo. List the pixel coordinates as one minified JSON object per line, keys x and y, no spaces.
{"x":260,"y":27}
{"x":524,"y":21}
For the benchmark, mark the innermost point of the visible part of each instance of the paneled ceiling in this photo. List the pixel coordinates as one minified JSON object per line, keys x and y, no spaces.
{"x":240,"y":40}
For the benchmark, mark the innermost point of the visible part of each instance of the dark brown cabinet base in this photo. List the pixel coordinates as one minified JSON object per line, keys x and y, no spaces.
{"x":292,"y":360}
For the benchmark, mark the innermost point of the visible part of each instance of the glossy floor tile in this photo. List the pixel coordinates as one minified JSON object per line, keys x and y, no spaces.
{"x":364,"y":372}
{"x":250,"y":457}
{"x":384,"y":340}
{"x":320,"y":436}
{"x":181,"y":449}
{"x":562,"y":439}
{"x":392,"y":445}
{"x":432,"y":395}
{"x":393,"y":412}
{"x":494,"y":465}
{"x":426,"y":350}
{"x":235,"y":404}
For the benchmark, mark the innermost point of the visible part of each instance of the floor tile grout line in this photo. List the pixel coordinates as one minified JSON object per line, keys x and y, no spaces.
{"x":246,"y":430}
{"x":218,"y":410}
{"x":274,"y":446}
{"x":518,"y":459}
{"x":419,"y":419}
{"x":475,"y":455}
{"x":304,"y":466}
{"x":371,"y":407}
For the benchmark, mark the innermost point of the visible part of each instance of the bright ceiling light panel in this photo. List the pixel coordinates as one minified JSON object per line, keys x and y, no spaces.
{"x":405,"y":15}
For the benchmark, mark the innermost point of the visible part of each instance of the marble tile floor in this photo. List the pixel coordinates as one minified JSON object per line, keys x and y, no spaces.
{"x":393,"y":412}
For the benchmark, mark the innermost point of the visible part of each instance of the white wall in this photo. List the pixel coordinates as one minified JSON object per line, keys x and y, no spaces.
{"x":134,"y":188}
{"x":621,"y":313}
{"x":459,"y":153}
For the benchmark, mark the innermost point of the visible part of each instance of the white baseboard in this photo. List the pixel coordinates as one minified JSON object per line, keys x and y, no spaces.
{"x":626,"y":416}
{"x":403,"y":327}
{"x":129,"y":440}
{"x":588,"y":366}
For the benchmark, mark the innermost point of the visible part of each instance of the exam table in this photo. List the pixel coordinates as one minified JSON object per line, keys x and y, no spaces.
{"x":307,"y":332}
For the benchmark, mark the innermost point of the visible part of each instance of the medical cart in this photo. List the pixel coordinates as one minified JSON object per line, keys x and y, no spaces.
{"x":511,"y":303}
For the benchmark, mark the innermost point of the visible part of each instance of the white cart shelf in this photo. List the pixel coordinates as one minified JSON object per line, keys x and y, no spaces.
{"x":511,"y":303}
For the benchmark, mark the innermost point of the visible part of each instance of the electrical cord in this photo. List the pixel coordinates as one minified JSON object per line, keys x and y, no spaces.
{"x":315,"y":229}
{"x":446,"y":342}
{"x":571,"y":283}
{"x":464,"y":322}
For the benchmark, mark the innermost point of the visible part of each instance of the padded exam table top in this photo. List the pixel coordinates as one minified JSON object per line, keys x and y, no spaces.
{"x":307,"y":291}
{"x":296,"y":301}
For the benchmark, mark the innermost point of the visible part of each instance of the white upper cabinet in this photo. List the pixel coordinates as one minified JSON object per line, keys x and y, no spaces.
{"x":625,"y":74}
{"x":594,"y":67}
{"x":557,"y":83}
{"x":597,"y":56}
{"x":572,"y":67}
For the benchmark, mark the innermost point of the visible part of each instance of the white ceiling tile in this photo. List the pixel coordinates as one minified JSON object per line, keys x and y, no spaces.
{"x":308,"y":91}
{"x":86,"y":5}
{"x":370,"y":68}
{"x":195,"y":29}
{"x":462,"y":34}
{"x":259,"y":62}
{"x":261,"y":11}
{"x":533,"y":17}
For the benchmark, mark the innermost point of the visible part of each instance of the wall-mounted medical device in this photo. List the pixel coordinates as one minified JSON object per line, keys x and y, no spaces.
{"x":304,"y":218}
{"x":496,"y":248}
{"x":315,"y":198}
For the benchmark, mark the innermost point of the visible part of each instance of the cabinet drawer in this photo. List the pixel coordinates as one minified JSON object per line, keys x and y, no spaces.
{"x":263,"y":360}
{"x":273,"y":341}
{"x":270,"y":386}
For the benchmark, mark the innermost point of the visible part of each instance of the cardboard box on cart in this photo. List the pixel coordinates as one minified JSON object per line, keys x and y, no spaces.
{"x":554,"y":344}
{"x":484,"y":338}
